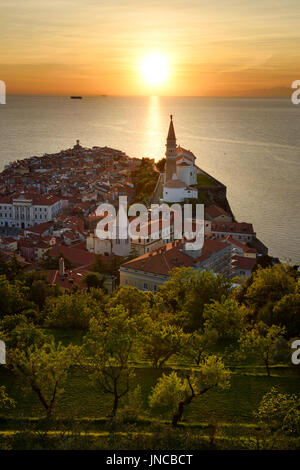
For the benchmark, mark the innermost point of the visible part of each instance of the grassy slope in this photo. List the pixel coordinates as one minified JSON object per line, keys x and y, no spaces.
{"x":81,"y":400}
{"x":232,"y":409}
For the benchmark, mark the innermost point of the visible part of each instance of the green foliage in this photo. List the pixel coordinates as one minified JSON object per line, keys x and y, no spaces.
{"x":286,"y":312}
{"x":187,"y":292}
{"x":11,"y":269}
{"x":205,"y":180}
{"x":134,"y":405}
{"x":108,"y":344}
{"x":199,"y":344}
{"x":5,"y":401}
{"x":263,"y":342}
{"x":272,"y":295}
{"x":73,"y":311}
{"x":174,"y":393}
{"x":161,"y":341}
{"x":270,"y":285}
{"x":160,"y":165}
{"x":227,"y":318}
{"x":92,"y":280}
{"x":169,"y":390}
{"x":280,"y":411}
{"x":23,"y":335}
{"x":13,"y":297}
{"x":144,"y":179}
{"x":135,"y":301}
{"x":43,"y":369}
{"x":109,"y":267}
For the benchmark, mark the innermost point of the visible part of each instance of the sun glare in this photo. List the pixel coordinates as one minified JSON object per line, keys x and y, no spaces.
{"x":154,"y":69}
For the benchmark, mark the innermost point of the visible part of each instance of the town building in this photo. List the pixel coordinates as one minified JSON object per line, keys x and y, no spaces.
{"x":27,"y":209}
{"x":152,"y":269}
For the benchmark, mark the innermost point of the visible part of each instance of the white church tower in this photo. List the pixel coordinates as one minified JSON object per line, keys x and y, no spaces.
{"x":180,"y":171}
{"x":171,"y":152}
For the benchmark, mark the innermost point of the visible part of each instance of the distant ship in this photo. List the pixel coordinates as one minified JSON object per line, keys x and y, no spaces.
{"x":76,"y":97}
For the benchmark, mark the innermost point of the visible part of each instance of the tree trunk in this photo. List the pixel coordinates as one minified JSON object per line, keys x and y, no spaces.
{"x":178,"y":416}
{"x":115,"y":407}
{"x":268,"y":369}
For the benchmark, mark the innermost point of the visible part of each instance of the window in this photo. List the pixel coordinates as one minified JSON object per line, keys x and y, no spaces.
{"x":145,"y":285}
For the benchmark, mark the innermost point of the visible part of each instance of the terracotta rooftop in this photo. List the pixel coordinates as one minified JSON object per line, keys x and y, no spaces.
{"x":234,"y":227}
{"x":40,"y":228}
{"x":170,"y":256}
{"x":36,"y":198}
{"x":215,"y":211}
{"x":77,"y":257}
{"x":175,"y":184}
{"x":241,"y":262}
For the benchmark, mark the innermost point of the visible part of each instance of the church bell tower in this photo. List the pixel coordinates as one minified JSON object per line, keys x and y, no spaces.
{"x":170,"y":152}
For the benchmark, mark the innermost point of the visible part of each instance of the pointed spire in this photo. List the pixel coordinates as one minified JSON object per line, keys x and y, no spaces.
{"x":171,"y":133}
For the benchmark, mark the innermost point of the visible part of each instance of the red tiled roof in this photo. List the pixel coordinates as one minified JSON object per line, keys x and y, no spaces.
{"x":242,"y":262}
{"x":72,"y":278}
{"x":36,"y":198}
{"x":40,"y":228}
{"x":187,"y":153}
{"x":170,"y":256}
{"x":77,"y":257}
{"x":234,"y":227}
{"x":215,"y":211}
{"x":175,"y":184}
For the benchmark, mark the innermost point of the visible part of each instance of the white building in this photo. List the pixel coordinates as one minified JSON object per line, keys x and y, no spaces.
{"x":176,"y":190}
{"x":25,"y":210}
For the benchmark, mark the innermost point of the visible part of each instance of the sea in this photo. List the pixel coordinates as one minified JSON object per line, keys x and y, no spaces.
{"x":251,"y":145}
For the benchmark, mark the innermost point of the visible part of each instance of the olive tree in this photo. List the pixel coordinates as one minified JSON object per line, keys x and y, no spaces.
{"x":173,"y":393}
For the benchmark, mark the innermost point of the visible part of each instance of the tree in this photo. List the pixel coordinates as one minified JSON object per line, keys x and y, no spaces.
{"x":174,"y":393}
{"x":110,"y":266}
{"x":161,"y":341}
{"x":286,"y":313}
{"x":227,"y":318}
{"x":186,"y":293}
{"x":93,"y":280}
{"x":39,"y":291}
{"x":270,"y":285}
{"x":134,"y":300}
{"x":199,"y":344}
{"x":108,"y":344}
{"x":14,"y":297}
{"x":280,"y":411}
{"x":160,"y":165}
{"x":5,"y":401}
{"x":72,"y":311}
{"x":44,"y":369}
{"x":19,"y":332}
{"x":262,"y":342}
{"x":11,"y":269}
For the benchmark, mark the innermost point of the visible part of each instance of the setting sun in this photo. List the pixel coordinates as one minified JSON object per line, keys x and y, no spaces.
{"x":154,"y":69}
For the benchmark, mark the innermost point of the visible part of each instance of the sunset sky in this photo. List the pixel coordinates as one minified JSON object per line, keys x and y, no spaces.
{"x":206,"y":47}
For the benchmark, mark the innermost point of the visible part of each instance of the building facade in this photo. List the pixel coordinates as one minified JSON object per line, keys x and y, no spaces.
{"x":25,"y":210}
